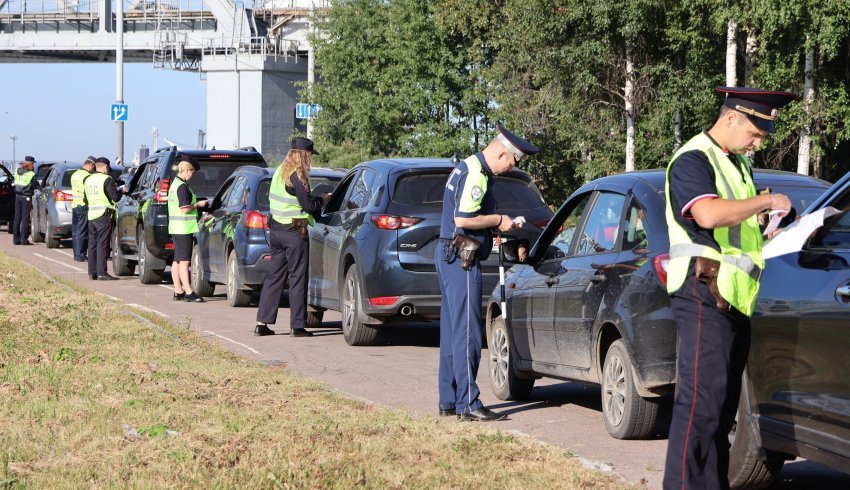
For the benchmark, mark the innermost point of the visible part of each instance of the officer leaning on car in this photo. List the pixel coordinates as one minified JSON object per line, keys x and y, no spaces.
{"x":25,"y":186}
{"x":713,"y":279}
{"x":79,"y":210}
{"x":101,"y":194}
{"x":468,"y":216}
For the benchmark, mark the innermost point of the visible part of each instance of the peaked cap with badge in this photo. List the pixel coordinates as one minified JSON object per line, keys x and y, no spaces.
{"x":514,"y":144}
{"x":761,"y":106}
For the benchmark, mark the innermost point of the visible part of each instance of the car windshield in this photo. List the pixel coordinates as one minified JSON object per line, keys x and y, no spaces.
{"x":322,"y":185}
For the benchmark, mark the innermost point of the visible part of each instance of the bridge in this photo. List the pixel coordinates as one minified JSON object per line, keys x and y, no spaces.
{"x":251,"y":54}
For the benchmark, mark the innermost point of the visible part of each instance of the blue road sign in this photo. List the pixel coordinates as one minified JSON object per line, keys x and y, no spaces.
{"x":306,"y":111}
{"x":119,"y":112}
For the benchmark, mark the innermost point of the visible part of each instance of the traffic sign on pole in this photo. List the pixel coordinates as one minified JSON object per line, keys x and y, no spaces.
{"x":306,"y":111}
{"x":119,"y":112}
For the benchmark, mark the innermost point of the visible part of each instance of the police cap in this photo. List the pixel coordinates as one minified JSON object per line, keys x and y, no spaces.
{"x":514,"y":144}
{"x":90,"y":159}
{"x":29,"y":159}
{"x":761,"y":106}
{"x":101,"y":160}
{"x":305,"y":144}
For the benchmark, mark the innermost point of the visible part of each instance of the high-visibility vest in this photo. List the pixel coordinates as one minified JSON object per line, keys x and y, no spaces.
{"x":180,"y":223}
{"x":23,"y":180}
{"x":740,"y":256}
{"x":78,"y":190}
{"x":97,"y":199}
{"x":284,"y":206}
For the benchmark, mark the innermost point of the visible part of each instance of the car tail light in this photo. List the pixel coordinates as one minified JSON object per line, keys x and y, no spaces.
{"x":389,"y":222}
{"x":383,"y":300}
{"x":62,"y":196}
{"x":661,"y":262}
{"x":169,"y":246}
{"x":218,"y":155}
{"x":256,"y":220}
{"x":162,"y":193}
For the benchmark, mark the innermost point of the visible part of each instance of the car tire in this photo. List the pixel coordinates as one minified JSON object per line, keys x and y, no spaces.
{"x":627,"y":415}
{"x":749,"y":465}
{"x":504,"y":382}
{"x":146,"y":274}
{"x":9,"y":229}
{"x":235,"y":297}
{"x":35,"y":236}
{"x":50,"y":239}
{"x":120,"y":265}
{"x":201,"y":286}
{"x":354,"y":331}
{"x":314,"y":318}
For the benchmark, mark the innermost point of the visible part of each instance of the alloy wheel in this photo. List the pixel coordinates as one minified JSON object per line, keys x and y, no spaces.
{"x":614,"y":391}
{"x":499,"y":358}
{"x":348,"y":306}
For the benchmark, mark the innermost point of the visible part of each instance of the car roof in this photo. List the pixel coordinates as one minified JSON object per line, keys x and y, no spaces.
{"x":657,"y":177}
{"x":391,"y":165}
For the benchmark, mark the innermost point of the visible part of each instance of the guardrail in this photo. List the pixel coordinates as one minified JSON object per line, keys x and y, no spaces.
{"x":229,"y":46}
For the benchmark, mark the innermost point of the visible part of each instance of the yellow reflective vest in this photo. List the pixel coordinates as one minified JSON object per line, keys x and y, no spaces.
{"x":78,"y":190}
{"x":180,"y":223}
{"x":96,"y":197}
{"x":284,"y":206}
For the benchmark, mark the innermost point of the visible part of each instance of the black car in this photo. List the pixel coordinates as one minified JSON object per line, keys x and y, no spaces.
{"x":372,"y":250}
{"x":590,"y":303}
{"x":7,"y":198}
{"x":141,"y":235}
{"x":232,"y":246}
{"x":795,"y":399}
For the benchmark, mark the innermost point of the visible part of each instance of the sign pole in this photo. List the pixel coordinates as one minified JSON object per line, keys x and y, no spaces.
{"x":119,"y":79}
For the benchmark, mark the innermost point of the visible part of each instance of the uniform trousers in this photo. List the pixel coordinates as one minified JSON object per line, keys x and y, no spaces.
{"x":460,"y":333}
{"x":80,"y":231}
{"x":21,"y":224}
{"x":290,"y":254}
{"x":100,"y":231}
{"x":713,"y":349}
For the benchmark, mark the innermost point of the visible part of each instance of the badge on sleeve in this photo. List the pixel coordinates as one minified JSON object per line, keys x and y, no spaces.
{"x":476,"y":193}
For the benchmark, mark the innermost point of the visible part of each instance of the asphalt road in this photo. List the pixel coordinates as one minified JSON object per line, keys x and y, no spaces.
{"x":400,"y":372}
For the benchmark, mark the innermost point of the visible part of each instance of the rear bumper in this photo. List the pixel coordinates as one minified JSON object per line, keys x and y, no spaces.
{"x":411,"y":307}
{"x":254,"y":274}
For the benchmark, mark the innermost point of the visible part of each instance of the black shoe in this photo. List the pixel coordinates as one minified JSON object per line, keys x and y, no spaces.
{"x":26,"y":243}
{"x":107,"y":277}
{"x":80,"y":259}
{"x":447,"y":412}
{"x":483,"y":414}
{"x":299,"y":332}
{"x":93,"y":277}
{"x":179,"y":296}
{"x":262,"y":330}
{"x":193,"y":298}
{"x":16,"y":243}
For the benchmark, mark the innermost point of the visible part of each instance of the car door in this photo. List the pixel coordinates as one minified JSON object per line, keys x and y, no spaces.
{"x":234,"y":205}
{"x":128,"y":206}
{"x":798,"y":367}
{"x":533,"y":297}
{"x":323,"y":288}
{"x":210,"y":239}
{"x":584,"y":276}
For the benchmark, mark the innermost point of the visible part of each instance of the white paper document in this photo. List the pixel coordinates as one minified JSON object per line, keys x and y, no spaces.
{"x":773,"y":224}
{"x":792,"y":238}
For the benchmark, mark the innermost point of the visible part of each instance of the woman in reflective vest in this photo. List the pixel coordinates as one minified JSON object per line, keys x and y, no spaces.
{"x":292,"y":209}
{"x":182,"y":225}
{"x":25,"y":186}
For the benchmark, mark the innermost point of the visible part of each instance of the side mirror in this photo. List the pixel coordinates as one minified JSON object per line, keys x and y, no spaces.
{"x":510,"y":250}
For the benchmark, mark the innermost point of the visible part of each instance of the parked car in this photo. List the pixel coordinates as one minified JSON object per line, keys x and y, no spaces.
{"x":372,"y":250}
{"x":232,"y":245}
{"x":590,"y":303}
{"x":7,"y":198}
{"x":141,"y":236}
{"x":51,"y":204}
{"x":795,"y":399}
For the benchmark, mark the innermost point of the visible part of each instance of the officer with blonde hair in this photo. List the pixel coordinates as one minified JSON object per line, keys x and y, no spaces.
{"x":183,"y":209}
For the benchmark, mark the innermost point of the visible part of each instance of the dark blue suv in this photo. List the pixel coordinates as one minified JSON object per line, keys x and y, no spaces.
{"x":232,"y":246}
{"x":372,"y":250}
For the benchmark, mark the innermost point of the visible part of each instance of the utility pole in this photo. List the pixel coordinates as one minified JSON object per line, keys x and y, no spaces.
{"x":13,"y":138}
{"x":119,"y":78}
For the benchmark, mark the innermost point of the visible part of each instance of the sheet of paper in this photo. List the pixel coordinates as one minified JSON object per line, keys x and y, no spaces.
{"x":792,"y":238}
{"x":519,"y":220}
{"x":773,"y":224}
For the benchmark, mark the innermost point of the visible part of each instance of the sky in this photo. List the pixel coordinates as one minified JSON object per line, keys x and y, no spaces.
{"x":61,"y":111}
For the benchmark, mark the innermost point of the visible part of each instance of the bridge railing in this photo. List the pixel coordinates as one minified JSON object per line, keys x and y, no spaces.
{"x":139,"y":10}
{"x":229,"y":46}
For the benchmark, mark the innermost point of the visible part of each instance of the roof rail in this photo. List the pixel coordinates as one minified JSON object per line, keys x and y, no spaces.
{"x":454,"y":159}
{"x":166,"y":148}
{"x":247,"y":148}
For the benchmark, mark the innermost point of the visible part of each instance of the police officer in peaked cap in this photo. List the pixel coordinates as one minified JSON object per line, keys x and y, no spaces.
{"x":101,"y":194}
{"x":25,"y":186}
{"x":713,"y":279}
{"x":79,"y":210}
{"x":469,"y":212}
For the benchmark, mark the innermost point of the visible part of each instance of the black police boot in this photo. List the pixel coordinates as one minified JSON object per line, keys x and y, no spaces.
{"x":107,"y":277}
{"x":447,"y":412}
{"x":483,"y":414}
{"x":262,"y":330}
{"x":193,"y":298}
{"x":299,"y":332}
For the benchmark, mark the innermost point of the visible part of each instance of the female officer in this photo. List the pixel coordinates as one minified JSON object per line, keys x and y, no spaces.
{"x":25,"y":186}
{"x":292,"y":207}
{"x":182,"y":224}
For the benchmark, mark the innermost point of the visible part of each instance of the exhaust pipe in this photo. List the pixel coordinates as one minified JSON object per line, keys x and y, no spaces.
{"x":406,"y":310}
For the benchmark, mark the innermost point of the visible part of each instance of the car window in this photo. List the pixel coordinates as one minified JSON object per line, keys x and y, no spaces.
{"x":236,"y":197}
{"x":634,"y":235}
{"x":513,"y":193}
{"x":362,"y":191}
{"x":603,"y":225}
{"x":339,"y":197}
{"x":835,"y":233}
{"x":263,"y":189}
{"x":421,"y":189}
{"x":50,"y":178}
{"x":322,"y":185}
{"x":66,"y":178}
{"x":212,"y":173}
{"x":562,"y":242}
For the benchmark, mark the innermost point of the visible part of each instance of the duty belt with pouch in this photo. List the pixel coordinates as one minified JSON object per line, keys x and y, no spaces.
{"x":706,"y":271}
{"x":465,"y":247}
{"x":300,"y":225}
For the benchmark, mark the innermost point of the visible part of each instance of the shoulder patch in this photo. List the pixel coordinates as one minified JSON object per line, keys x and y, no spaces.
{"x":476,"y":193}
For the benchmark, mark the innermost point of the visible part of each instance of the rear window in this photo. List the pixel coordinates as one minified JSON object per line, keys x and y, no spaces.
{"x":513,"y":193}
{"x":421,"y":189}
{"x":263,"y":194}
{"x":206,"y":181}
{"x":66,"y":179}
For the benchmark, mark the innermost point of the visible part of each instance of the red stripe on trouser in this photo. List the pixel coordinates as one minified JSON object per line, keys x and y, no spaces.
{"x":696,"y":374}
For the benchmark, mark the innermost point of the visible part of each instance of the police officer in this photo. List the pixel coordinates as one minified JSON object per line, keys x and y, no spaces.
{"x":101,"y":195}
{"x":79,"y":211}
{"x":25,"y":186}
{"x":182,"y":225}
{"x":469,"y":210}
{"x":292,"y":209}
{"x":715,"y":245}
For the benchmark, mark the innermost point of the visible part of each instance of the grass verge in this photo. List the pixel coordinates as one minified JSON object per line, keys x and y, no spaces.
{"x":91,"y":396}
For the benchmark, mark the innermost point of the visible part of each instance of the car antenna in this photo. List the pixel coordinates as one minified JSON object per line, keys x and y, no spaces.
{"x":455,"y":160}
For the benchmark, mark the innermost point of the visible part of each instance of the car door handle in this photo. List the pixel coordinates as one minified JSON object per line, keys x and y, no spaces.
{"x":843,"y":291}
{"x":597,"y":278}
{"x":551,"y":281}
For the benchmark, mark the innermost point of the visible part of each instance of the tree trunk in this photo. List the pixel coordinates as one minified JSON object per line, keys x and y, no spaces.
{"x":751,"y":53}
{"x":630,"y":112}
{"x":677,"y":129}
{"x":808,"y":96}
{"x":731,"y":54}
